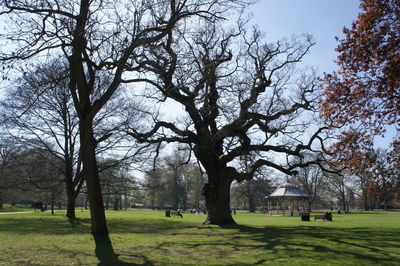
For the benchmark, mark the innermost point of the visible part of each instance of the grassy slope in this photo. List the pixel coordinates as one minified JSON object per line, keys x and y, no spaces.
{"x":147,"y":237}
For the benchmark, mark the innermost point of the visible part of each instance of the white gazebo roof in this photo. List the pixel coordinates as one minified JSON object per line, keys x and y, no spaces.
{"x":288,"y":190}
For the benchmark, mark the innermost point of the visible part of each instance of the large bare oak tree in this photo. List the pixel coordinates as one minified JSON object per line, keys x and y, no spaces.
{"x":240,"y":96}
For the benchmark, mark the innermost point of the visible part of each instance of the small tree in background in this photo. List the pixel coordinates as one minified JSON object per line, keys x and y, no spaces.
{"x":9,"y":184}
{"x":311,"y":181}
{"x":176,"y":182}
{"x":117,"y":184}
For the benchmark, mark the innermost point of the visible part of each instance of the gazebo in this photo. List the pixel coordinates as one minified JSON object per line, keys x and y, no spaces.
{"x":287,"y":196}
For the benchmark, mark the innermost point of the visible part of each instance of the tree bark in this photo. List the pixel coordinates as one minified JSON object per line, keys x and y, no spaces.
{"x":71,"y":204}
{"x":68,"y":164}
{"x":71,"y":194}
{"x":91,"y":173}
{"x":217,"y":198}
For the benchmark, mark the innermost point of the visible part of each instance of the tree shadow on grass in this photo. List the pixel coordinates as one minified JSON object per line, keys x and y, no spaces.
{"x":62,"y":226}
{"x":319,"y":243}
{"x":44,"y":226}
{"x":104,"y":252}
{"x":361,"y":244}
{"x":299,"y":244}
{"x":106,"y":255}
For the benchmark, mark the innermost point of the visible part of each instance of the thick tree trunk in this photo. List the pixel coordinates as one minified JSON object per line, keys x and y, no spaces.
{"x":217,"y":197}
{"x":68,"y":165}
{"x":71,"y":201}
{"x":91,"y":173}
{"x":71,"y":195}
{"x":1,"y":203}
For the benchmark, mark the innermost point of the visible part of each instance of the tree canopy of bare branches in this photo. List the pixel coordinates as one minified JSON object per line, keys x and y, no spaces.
{"x":240,"y":96}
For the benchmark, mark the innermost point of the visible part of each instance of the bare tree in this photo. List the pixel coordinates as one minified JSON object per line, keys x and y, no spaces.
{"x":385,"y":178}
{"x":30,"y":174}
{"x":193,"y":182}
{"x":240,"y":96}
{"x":39,"y":113}
{"x":8,"y":151}
{"x":311,"y":180}
{"x":116,"y":182}
{"x":355,"y":153}
{"x":95,"y":37}
{"x":251,"y":192}
{"x":153,"y":188}
{"x":339,"y":186}
{"x":42,"y":173}
{"x":175,"y":182}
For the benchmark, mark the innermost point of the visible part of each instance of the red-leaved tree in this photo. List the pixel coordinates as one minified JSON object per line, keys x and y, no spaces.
{"x":363,"y":96}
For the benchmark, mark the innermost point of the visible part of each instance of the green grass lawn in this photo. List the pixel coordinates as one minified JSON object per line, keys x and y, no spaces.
{"x":146,"y":237}
{"x":17,"y":208}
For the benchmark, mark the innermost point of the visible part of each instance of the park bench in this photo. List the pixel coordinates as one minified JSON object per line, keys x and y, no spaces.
{"x":322,"y":217}
{"x":176,"y":213}
{"x":327,"y":216}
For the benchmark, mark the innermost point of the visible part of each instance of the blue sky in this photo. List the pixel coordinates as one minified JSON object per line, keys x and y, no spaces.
{"x":324,"y":19}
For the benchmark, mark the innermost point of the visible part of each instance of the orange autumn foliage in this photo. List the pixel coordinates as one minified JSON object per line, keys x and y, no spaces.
{"x":365,"y":91}
{"x":363,"y":96}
